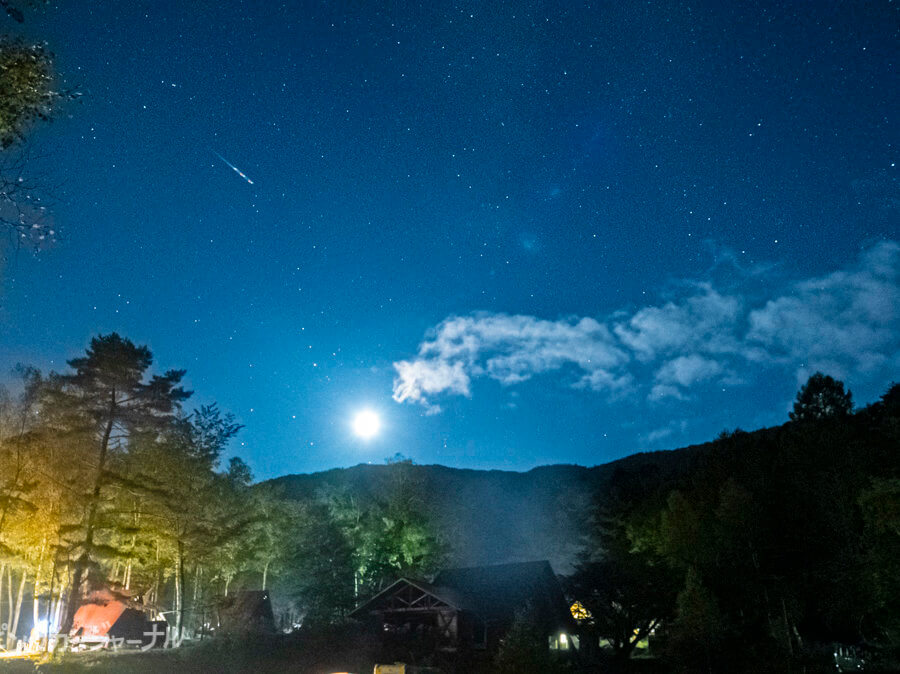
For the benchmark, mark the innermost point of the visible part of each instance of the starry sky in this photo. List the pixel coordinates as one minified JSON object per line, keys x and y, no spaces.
{"x":522,"y":232}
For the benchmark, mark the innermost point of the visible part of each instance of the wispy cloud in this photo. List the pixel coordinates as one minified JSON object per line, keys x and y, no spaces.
{"x":705,"y":321}
{"x":682,"y":373}
{"x":660,"y":434}
{"x":509,"y":349}
{"x":847,"y":322}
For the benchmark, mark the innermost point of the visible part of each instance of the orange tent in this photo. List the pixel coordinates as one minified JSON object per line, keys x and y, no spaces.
{"x":96,"y":620}
{"x":106,"y":616}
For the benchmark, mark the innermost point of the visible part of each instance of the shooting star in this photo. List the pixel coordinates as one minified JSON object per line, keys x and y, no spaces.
{"x":233,"y":167}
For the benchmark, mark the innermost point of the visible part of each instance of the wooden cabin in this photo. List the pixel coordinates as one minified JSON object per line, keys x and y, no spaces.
{"x":468,"y":608}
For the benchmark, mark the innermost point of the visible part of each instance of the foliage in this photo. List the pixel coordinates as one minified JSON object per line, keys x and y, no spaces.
{"x":697,"y":630}
{"x":880,"y":505}
{"x":26,"y":88}
{"x":772,"y":541}
{"x":624,"y":584}
{"x":820,"y":398}
{"x":524,"y":648}
{"x":100,"y":407}
{"x":107,"y":482}
{"x":318,"y":576}
{"x":27,"y":95}
{"x":390,"y":536}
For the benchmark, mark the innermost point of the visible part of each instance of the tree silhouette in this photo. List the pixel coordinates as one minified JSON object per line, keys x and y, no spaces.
{"x":822,"y":397}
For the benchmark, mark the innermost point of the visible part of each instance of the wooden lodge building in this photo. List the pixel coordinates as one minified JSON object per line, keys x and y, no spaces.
{"x":469,"y":608}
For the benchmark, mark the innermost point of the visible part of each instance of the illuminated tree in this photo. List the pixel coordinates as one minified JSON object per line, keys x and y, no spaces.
{"x":622,"y":579}
{"x":523,"y":650}
{"x":317,"y":579}
{"x":193,"y":514}
{"x":392,"y":535}
{"x":105,"y":402}
{"x":26,"y":92}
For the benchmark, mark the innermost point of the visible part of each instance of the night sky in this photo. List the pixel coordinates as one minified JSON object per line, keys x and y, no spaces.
{"x":521,"y":232}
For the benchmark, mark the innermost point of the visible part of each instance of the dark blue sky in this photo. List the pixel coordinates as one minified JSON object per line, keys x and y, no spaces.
{"x":554,"y":232}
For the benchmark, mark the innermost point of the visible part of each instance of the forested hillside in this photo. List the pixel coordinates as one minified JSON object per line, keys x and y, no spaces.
{"x":494,"y":516}
{"x":753,"y":550}
{"x":767,"y":548}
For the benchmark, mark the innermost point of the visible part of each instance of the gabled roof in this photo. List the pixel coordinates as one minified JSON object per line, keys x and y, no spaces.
{"x":496,"y":592}
{"x":493,"y":593}
{"x":396,"y":597}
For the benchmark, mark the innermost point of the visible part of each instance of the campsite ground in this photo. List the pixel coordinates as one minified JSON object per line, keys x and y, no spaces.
{"x":220,"y":656}
{"x":260,"y":656}
{"x":321,"y":651}
{"x":199,"y":660}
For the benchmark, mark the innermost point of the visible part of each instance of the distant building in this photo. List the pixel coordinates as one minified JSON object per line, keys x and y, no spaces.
{"x":470,"y":608}
{"x":246,"y":611}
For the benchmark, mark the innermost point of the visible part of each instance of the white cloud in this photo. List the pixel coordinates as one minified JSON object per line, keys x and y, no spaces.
{"x":659,"y":434}
{"x":419,"y":379}
{"x":655,"y":437}
{"x":704,"y":321}
{"x":687,"y":370}
{"x":846,"y":322}
{"x":509,"y":349}
{"x":660,"y":391}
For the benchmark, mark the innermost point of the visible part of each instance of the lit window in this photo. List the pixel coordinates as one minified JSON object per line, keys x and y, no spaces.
{"x":579,"y":612}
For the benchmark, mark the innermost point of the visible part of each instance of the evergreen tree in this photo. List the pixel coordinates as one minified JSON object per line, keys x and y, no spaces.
{"x":103,"y":403}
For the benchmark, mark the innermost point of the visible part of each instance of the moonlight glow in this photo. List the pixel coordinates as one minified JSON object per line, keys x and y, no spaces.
{"x":366,"y":424}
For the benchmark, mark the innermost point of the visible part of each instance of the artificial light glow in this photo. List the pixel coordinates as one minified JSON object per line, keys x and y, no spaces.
{"x":579,"y":612}
{"x":366,"y":424}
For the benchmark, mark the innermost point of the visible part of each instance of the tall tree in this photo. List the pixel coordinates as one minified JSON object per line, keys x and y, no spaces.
{"x":621,"y":579}
{"x":106,"y":400}
{"x":191,"y":511}
{"x":319,"y":570}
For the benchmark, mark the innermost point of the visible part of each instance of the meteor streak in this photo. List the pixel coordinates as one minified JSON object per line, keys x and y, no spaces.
{"x":233,"y":167}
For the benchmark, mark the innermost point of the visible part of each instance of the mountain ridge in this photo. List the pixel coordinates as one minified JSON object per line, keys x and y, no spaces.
{"x":495,"y":516}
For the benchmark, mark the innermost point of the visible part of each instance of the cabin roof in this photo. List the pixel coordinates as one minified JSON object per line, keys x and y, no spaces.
{"x":493,"y":593}
{"x":443,"y":595}
{"x":497,"y":591}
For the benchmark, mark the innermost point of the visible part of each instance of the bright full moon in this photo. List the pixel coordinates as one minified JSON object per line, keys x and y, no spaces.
{"x":366,"y":424}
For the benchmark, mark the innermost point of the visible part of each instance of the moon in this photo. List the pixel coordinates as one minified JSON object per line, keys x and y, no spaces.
{"x":366,"y":424}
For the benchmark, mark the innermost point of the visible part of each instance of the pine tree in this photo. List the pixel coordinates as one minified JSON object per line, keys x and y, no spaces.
{"x":106,"y":401}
